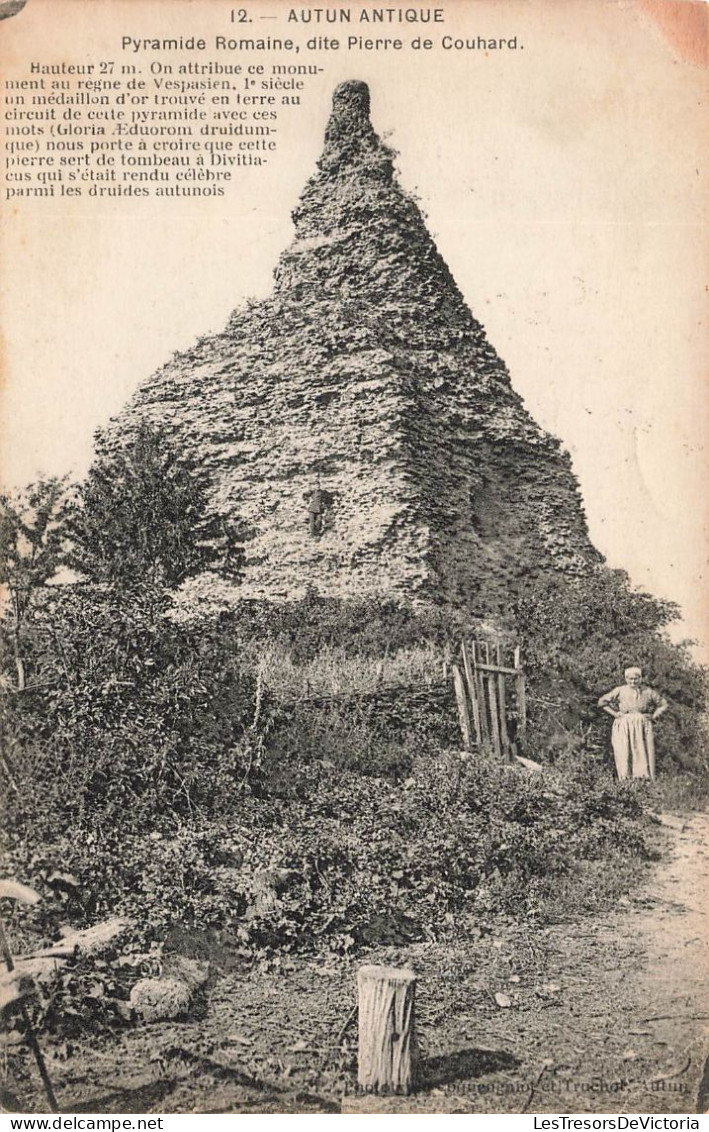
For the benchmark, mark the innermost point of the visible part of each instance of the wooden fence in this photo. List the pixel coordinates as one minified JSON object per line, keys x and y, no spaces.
{"x":491,"y":698}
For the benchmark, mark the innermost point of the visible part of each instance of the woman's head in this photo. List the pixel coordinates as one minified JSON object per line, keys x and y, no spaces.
{"x":633,"y":676}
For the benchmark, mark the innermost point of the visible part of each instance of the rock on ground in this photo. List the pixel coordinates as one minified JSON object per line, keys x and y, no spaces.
{"x":160,"y":1000}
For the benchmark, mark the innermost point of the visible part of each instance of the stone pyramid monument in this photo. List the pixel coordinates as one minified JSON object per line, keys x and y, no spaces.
{"x":358,"y":420}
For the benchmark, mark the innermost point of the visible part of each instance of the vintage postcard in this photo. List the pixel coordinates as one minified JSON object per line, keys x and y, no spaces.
{"x":353,"y":424}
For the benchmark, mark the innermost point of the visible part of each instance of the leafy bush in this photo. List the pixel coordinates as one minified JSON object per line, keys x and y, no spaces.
{"x":360,"y":861}
{"x":375,"y":736}
{"x":127,"y":716}
{"x":142,"y":516}
{"x":33,"y":527}
{"x":577,"y":638}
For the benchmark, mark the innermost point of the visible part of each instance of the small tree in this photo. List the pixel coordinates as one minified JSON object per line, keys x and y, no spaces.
{"x":142,"y":518}
{"x":33,"y":528}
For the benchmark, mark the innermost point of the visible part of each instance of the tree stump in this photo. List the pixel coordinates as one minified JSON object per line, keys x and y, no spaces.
{"x":388,"y":1050}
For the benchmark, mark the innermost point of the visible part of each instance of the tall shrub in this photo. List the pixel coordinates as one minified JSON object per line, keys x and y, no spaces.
{"x":142,"y":517}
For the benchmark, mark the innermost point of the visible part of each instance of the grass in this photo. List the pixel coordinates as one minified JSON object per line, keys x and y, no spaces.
{"x":332,"y":672}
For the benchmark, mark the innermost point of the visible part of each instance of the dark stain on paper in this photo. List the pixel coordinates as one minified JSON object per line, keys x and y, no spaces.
{"x":10,"y":8}
{"x":684,"y":24}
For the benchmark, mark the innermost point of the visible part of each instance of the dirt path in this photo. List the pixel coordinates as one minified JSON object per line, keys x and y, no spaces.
{"x":607,"y":1015}
{"x":672,"y":986}
{"x":630,"y":1032}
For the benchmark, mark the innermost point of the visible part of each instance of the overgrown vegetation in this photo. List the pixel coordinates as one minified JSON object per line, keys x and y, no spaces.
{"x":32,"y":534}
{"x":577,"y":639}
{"x":213,"y":775}
{"x":127,"y":716}
{"x":141,"y":518}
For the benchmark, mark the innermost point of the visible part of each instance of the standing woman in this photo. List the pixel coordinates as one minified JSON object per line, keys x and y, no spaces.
{"x":633,"y":706}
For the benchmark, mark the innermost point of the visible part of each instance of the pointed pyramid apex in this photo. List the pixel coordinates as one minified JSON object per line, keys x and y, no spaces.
{"x":350,"y":104}
{"x":358,"y":233}
{"x":349,"y":135}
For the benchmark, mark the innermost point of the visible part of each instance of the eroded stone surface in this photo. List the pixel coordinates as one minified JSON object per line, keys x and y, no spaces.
{"x":367,"y":368}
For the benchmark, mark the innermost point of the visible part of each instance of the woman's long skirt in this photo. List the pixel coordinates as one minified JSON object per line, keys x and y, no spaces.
{"x":633,"y":745}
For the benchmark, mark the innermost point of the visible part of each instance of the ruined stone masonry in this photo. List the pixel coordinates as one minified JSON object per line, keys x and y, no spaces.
{"x":366,"y":368}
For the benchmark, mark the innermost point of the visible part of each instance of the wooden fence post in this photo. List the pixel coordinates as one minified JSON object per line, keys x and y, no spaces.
{"x":502,"y":697}
{"x":480,"y":685}
{"x":494,"y":717}
{"x":473,"y":693}
{"x":462,"y":702}
{"x":491,"y":698}
{"x":521,"y":696}
{"x":388,"y":1049}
